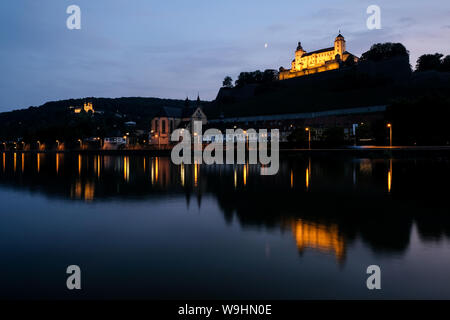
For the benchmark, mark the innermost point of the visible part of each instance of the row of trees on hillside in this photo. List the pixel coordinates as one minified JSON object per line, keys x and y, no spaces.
{"x":436,"y":62}
{"x":255,"y":77}
{"x":426,"y":62}
{"x":381,"y":51}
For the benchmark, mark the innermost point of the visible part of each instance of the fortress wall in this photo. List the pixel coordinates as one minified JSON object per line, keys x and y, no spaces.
{"x":327,"y":67}
{"x":396,"y":69}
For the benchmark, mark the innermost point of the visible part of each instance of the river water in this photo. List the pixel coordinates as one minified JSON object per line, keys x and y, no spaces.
{"x":141,"y":227}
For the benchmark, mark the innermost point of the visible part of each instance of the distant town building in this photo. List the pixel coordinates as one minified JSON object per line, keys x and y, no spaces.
{"x":111,"y":143}
{"x":170,"y":118}
{"x":318,"y":61}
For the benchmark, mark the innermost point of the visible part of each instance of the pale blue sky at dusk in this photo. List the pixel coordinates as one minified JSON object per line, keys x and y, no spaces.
{"x":175,"y":48}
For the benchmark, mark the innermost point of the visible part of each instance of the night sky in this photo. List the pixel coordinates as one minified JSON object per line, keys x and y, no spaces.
{"x":177,"y":48}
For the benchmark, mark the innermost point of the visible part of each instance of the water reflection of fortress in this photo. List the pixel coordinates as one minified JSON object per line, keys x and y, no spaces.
{"x":323,"y":204}
{"x":317,"y":236}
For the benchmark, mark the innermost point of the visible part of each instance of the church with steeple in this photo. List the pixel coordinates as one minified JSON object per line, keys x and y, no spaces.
{"x":321,"y":60}
{"x":169,"y":119}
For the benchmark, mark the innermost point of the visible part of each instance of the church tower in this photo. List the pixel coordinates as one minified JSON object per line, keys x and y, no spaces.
{"x":339,"y":46}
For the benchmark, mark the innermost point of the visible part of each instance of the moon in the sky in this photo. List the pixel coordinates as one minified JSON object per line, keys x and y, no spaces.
{"x":266,"y":45}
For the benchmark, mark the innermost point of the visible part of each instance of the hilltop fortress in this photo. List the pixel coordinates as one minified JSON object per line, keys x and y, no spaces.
{"x":318,"y":61}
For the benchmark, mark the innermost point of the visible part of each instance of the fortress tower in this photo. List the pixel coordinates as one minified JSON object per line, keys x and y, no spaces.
{"x":339,"y":47}
{"x":296,"y":63}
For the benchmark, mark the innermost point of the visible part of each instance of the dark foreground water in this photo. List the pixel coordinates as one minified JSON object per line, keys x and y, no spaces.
{"x":140,"y":227}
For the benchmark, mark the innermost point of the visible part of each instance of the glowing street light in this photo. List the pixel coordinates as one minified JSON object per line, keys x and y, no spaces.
{"x":309,"y":137}
{"x":390,"y":134}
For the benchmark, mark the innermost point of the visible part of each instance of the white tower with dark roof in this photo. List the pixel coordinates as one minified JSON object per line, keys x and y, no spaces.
{"x":339,"y":46}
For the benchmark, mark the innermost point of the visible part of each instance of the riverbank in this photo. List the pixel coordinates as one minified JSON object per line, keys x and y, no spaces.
{"x":375,"y":151}
{"x":358,"y":151}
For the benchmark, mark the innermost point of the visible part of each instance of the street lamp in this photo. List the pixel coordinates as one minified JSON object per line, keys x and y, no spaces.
{"x":81,"y":143}
{"x":309,"y":137}
{"x":390,"y":134}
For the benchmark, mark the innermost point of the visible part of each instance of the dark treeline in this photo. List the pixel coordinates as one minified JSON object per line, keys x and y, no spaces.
{"x":435,"y":62}
{"x":254,"y":77}
{"x":381,"y":51}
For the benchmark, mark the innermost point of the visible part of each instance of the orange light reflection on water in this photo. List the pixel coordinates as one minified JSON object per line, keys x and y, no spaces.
{"x":38,"y":162}
{"x":320,"y":237}
{"x":390,"y":176}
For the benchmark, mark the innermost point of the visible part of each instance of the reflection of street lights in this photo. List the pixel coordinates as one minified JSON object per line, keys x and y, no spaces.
{"x":309,"y":137}
{"x":159,"y":142}
{"x":247,"y":142}
{"x":390,"y":133}
{"x":196,"y":139}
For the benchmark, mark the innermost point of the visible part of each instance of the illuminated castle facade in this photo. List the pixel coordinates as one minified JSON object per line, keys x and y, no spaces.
{"x":87,"y":107}
{"x":318,"y":61}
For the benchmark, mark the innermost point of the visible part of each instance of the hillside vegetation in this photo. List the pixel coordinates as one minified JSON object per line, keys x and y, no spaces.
{"x":55,"y":120}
